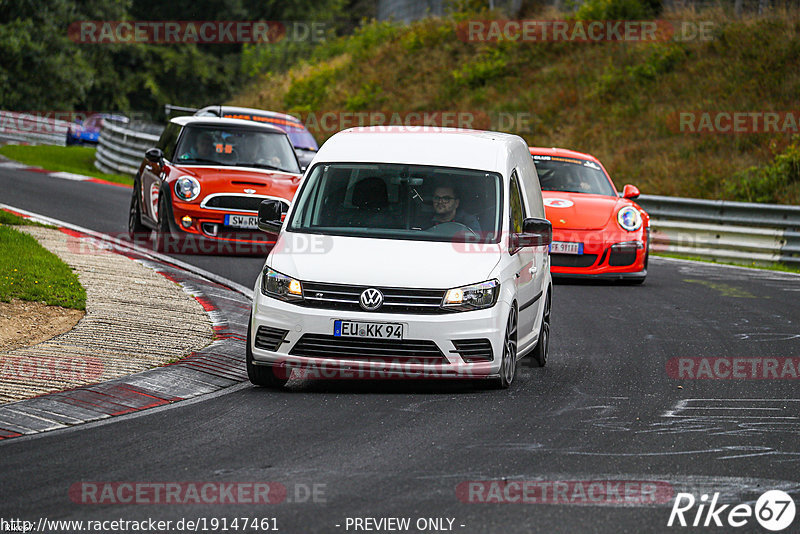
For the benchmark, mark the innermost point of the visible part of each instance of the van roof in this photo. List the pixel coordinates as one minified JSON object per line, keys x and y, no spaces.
{"x":419,"y":145}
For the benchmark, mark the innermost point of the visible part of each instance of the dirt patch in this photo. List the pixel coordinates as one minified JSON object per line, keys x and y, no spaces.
{"x":23,"y":323}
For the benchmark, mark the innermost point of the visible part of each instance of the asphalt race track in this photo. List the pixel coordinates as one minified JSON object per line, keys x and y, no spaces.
{"x":609,"y":408}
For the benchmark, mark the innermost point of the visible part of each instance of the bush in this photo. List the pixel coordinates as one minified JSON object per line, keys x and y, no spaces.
{"x":618,"y":9}
{"x":776,"y":182}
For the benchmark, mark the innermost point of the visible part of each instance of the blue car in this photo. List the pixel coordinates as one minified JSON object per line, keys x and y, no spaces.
{"x":88,"y":131}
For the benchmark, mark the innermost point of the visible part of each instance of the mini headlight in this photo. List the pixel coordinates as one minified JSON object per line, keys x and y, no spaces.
{"x":187,"y":188}
{"x":472,"y":297}
{"x":629,"y":218}
{"x":280,"y":286}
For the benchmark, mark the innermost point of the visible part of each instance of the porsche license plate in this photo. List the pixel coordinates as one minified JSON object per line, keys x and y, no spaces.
{"x":563,"y":247}
{"x":342,"y":328}
{"x":242,"y":221}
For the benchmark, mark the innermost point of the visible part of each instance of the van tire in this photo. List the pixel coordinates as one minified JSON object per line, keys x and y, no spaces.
{"x":508,"y":362}
{"x":542,"y":348}
{"x":261,"y":375}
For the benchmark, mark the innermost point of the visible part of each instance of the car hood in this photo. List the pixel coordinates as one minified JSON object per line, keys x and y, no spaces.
{"x":243,"y":180}
{"x":580,"y":210}
{"x":382,"y":262}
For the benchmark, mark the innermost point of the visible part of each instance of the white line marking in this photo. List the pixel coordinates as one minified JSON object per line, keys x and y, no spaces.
{"x":69,"y":176}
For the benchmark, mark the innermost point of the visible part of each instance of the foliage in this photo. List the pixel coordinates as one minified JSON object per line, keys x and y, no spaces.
{"x":771,"y":183}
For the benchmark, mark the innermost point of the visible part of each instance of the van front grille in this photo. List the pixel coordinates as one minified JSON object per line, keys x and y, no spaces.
{"x":354,"y":348}
{"x":396,"y":300}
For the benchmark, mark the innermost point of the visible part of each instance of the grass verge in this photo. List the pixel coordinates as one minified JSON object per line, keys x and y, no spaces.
{"x":74,"y":159}
{"x":781,"y":267}
{"x":31,"y":272}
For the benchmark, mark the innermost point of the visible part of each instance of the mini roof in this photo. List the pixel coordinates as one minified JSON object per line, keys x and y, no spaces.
{"x":217,"y":121}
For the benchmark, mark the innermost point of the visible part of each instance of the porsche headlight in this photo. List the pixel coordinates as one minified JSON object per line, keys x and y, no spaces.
{"x":187,"y":188}
{"x":472,"y":297}
{"x":280,"y":286}
{"x":629,"y":218}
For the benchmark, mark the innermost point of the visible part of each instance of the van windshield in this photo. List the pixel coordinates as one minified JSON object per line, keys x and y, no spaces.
{"x":398,"y":201}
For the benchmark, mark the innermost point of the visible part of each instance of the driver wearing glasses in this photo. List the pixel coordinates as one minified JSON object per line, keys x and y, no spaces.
{"x":445,"y":209}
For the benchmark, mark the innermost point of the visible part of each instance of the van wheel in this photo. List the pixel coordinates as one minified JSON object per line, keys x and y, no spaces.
{"x":508,"y":365}
{"x":542,"y":348}
{"x":261,"y":375}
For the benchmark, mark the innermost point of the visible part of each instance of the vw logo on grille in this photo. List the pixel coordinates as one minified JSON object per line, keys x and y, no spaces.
{"x":371,"y":299}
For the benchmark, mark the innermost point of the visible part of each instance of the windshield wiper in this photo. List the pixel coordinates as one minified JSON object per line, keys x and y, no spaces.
{"x":263,"y":166}
{"x":202,"y":160}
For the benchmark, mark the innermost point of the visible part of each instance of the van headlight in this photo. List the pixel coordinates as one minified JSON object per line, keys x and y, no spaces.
{"x":629,"y":218}
{"x":280,"y":286}
{"x":472,"y":297}
{"x":187,"y":188}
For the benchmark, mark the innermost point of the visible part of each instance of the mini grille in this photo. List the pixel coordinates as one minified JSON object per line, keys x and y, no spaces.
{"x":238,"y":203}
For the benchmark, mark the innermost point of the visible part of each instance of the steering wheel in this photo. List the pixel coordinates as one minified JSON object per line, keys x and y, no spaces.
{"x":446,"y":225}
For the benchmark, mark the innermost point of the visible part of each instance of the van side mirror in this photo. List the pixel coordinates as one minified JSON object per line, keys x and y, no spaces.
{"x":269,"y":216}
{"x":630,"y":191}
{"x":154,"y":155}
{"x":535,"y":233}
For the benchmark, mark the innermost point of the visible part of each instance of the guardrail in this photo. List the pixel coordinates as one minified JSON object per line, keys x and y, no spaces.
{"x":33,"y":128}
{"x":712,"y":229}
{"x":121,"y":146}
{"x":724,"y":230}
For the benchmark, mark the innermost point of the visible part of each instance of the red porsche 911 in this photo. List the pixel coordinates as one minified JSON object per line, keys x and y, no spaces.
{"x":597,"y":233}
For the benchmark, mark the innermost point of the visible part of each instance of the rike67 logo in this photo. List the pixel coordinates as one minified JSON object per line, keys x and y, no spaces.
{"x":774,"y":510}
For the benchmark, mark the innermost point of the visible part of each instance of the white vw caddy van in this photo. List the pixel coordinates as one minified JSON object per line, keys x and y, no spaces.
{"x":406,"y":254}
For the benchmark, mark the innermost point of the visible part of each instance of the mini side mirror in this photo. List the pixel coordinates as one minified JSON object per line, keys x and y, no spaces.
{"x":630,"y":191}
{"x":154,"y":155}
{"x":270,"y":216}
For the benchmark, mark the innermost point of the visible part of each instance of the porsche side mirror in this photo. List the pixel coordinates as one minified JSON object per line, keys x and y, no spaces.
{"x":630,"y":191}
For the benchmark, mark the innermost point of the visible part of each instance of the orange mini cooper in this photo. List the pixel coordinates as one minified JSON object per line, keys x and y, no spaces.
{"x":597,"y":233}
{"x":201,"y":186}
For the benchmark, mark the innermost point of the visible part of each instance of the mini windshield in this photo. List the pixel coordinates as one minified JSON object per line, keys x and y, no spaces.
{"x":236,"y":146}
{"x":572,"y":175}
{"x":396,"y":201}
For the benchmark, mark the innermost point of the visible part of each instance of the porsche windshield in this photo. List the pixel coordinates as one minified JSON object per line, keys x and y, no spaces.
{"x":572,"y":175}
{"x":236,"y":146}
{"x":398,"y":201}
